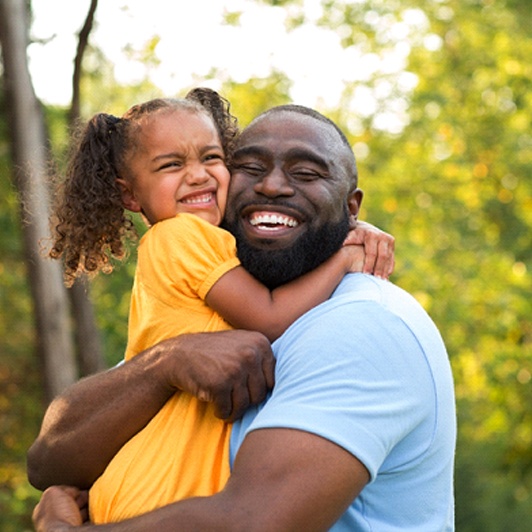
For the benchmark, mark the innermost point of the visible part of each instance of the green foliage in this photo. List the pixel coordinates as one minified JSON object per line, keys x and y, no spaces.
{"x":454,"y":188}
{"x":232,"y":18}
{"x":20,"y":389}
{"x":110,"y":294}
{"x":252,"y":98}
{"x":100,"y":91}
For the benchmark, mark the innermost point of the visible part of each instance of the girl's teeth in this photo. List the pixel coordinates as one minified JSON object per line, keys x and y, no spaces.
{"x":205,"y":198}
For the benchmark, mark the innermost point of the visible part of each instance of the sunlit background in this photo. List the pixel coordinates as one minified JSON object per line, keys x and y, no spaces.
{"x":191,"y":40}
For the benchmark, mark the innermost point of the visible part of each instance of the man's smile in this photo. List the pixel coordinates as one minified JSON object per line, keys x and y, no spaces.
{"x":265,"y":223}
{"x":271,"y":221}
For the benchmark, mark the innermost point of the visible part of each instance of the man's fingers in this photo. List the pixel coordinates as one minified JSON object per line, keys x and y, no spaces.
{"x":73,"y":492}
{"x":82,"y":500}
{"x":229,"y":369}
{"x":58,"y":505}
{"x":268,"y":370}
{"x":240,"y":400}
{"x":223,"y":403}
{"x":261,"y":377}
{"x":256,"y":386}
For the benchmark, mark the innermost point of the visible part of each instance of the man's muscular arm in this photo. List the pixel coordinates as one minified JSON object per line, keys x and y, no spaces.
{"x":85,"y":426}
{"x":283,"y":479}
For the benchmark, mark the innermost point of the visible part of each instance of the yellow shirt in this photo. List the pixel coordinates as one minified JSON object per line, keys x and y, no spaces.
{"x":184,"y":450}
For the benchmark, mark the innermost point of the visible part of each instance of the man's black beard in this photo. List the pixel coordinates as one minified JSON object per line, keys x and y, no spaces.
{"x":276,"y":267}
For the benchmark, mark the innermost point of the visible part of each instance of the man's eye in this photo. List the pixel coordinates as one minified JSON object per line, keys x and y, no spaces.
{"x":249,"y":168}
{"x":305,"y":174}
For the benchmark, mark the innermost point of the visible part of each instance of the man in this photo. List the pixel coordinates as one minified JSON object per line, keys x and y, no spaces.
{"x":359,"y":431}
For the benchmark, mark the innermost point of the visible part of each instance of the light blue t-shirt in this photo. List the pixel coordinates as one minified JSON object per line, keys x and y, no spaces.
{"x":368,"y":370}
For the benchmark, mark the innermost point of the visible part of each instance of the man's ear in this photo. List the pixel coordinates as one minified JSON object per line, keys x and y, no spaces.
{"x":354,"y":201}
{"x":129,"y":200}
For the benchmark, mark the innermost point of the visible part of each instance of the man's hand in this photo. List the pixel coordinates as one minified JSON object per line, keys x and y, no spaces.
{"x":378,"y":245}
{"x":231,"y":369}
{"x":60,"y":508}
{"x":86,"y":426}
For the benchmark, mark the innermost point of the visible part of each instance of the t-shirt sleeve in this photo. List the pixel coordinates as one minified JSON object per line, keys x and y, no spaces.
{"x":184,"y":257}
{"x":347,"y":374}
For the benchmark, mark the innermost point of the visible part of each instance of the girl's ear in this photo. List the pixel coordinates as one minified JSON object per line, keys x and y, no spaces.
{"x":129,"y":200}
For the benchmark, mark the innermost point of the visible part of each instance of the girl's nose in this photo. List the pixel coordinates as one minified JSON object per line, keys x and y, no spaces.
{"x":197,"y":174}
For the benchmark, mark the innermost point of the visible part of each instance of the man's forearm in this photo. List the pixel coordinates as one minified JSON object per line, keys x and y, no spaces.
{"x":63,"y":509}
{"x":85,"y":426}
{"x":282,"y":479}
{"x":88,"y":424}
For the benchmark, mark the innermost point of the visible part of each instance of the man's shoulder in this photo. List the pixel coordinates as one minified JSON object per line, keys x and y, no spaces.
{"x":366,"y":307}
{"x":360,"y":287}
{"x":368,"y":290}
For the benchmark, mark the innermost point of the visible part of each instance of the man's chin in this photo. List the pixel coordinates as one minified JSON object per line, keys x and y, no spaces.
{"x":277,"y":261}
{"x":271,"y":243}
{"x":270,"y":238}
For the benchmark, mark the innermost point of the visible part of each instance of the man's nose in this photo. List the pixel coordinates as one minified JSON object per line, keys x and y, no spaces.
{"x":274,"y":184}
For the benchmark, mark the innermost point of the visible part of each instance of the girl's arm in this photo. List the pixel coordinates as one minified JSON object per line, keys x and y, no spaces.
{"x":247,"y":304}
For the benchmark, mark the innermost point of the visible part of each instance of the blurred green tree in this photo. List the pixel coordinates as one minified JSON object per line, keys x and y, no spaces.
{"x":454,"y":186}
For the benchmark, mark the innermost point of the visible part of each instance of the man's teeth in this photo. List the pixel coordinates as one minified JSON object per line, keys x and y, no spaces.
{"x":204,"y":198}
{"x":273,"y":219}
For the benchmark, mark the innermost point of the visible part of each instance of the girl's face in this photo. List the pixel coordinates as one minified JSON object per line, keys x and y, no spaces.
{"x":177,"y":166}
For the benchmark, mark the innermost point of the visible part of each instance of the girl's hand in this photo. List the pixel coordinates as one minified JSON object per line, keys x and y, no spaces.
{"x":60,"y":508}
{"x":378,"y":246}
{"x":354,"y":257}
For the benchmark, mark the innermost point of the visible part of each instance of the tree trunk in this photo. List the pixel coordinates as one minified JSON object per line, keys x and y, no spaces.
{"x":87,"y":335}
{"x":29,"y":155}
{"x":88,"y":341}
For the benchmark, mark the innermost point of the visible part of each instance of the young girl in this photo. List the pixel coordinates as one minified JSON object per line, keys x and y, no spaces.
{"x":167,"y":159}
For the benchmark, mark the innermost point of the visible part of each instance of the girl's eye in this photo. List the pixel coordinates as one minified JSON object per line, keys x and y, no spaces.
{"x":170,"y":164}
{"x":214,"y":157}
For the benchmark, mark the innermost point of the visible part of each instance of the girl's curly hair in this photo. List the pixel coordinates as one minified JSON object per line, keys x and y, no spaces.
{"x":89,"y":224}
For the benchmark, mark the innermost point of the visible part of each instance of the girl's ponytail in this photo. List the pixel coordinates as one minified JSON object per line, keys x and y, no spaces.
{"x":89,"y":223}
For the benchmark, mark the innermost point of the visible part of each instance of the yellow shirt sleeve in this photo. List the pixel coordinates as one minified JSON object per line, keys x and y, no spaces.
{"x":183,"y":257}
{"x":179,"y":260}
